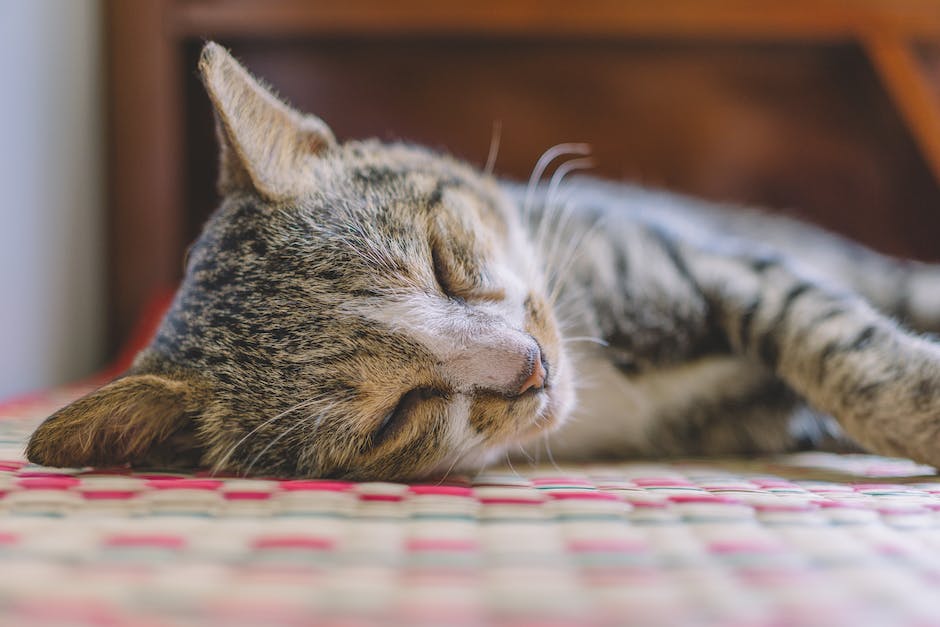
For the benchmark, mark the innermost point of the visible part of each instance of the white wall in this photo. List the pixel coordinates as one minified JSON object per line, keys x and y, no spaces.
{"x":51,"y":192}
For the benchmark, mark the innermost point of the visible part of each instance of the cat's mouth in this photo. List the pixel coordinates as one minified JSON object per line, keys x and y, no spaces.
{"x":554,"y":400}
{"x":542,"y":417}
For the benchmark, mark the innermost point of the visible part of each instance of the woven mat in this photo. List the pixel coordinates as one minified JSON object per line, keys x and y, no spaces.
{"x":801,"y":540}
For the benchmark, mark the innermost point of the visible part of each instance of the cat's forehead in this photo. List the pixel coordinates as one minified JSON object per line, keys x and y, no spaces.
{"x":400,"y":157}
{"x":372,"y":170}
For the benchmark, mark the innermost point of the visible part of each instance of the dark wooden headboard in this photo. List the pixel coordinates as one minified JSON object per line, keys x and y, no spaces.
{"x":824,"y":108}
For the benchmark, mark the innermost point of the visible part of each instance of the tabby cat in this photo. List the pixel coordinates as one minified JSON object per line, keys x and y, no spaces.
{"x":370,"y":310}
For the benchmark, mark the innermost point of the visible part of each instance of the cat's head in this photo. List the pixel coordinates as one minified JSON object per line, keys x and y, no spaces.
{"x":359,"y":310}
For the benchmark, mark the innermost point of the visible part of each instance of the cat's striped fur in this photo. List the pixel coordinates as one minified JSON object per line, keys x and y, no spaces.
{"x":372,"y":310}
{"x":729,"y":331}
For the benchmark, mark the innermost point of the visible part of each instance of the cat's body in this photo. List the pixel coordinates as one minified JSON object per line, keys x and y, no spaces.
{"x":660,"y":377}
{"x":370,"y":310}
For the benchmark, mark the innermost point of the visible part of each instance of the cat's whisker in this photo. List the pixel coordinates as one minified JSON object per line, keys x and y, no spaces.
{"x":273,"y":441}
{"x":563,"y":261}
{"x":574,"y":239}
{"x":560,"y":229}
{"x":318,"y":421}
{"x":563,"y":170}
{"x":571,"y":255}
{"x":571,"y":311}
{"x":511,"y":467}
{"x":220,"y":465}
{"x":553,"y":207}
{"x":467,"y":448}
{"x":495,"y":138}
{"x":484,"y":462}
{"x":307,"y":455}
{"x":444,"y":478}
{"x":554,"y":218}
{"x":525,"y":454}
{"x":557,"y":215}
{"x":586,"y":383}
{"x":585,"y":338}
{"x":548,"y":452}
{"x":543,"y":162}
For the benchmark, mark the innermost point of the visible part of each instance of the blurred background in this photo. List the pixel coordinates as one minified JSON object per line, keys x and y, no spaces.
{"x":52,"y":193}
{"x":824,"y":109}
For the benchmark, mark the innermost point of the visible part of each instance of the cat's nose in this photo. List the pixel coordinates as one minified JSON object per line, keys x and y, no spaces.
{"x":534,"y":379}
{"x":508,"y":364}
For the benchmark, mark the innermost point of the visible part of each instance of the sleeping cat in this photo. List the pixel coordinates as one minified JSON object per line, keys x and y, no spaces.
{"x":366,"y":310}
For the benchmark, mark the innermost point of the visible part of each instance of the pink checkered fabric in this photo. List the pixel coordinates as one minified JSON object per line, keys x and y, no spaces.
{"x":801,"y":540}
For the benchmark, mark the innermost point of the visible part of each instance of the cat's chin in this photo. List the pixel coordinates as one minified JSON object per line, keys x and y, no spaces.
{"x":559,"y":401}
{"x":549,"y":416}
{"x":542,"y":423}
{"x":553,"y":410}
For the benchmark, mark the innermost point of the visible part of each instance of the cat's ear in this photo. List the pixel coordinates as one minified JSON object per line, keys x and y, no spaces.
{"x":122,"y":422}
{"x":264,"y":143}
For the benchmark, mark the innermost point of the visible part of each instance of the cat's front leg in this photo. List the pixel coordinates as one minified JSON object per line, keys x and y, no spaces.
{"x":880,"y":382}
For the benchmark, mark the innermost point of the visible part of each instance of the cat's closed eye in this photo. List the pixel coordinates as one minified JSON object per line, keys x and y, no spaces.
{"x":397,"y":419}
{"x":457,"y":283}
{"x":444,"y":276}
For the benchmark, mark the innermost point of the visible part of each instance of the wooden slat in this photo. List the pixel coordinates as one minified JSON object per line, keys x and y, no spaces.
{"x":647,"y":18}
{"x":907,"y":82}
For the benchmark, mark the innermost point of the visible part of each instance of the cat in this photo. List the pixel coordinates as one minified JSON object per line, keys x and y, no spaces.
{"x":379,"y":311}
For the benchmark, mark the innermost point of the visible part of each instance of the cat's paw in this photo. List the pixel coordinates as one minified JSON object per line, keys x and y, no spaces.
{"x":895,"y":411}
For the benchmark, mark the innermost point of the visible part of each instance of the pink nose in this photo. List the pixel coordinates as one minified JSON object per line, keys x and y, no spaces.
{"x":536,"y":379}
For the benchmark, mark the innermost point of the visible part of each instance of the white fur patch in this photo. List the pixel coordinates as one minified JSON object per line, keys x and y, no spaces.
{"x":615,"y":411}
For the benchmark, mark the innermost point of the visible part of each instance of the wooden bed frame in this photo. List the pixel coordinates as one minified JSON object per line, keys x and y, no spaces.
{"x":828,"y":106}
